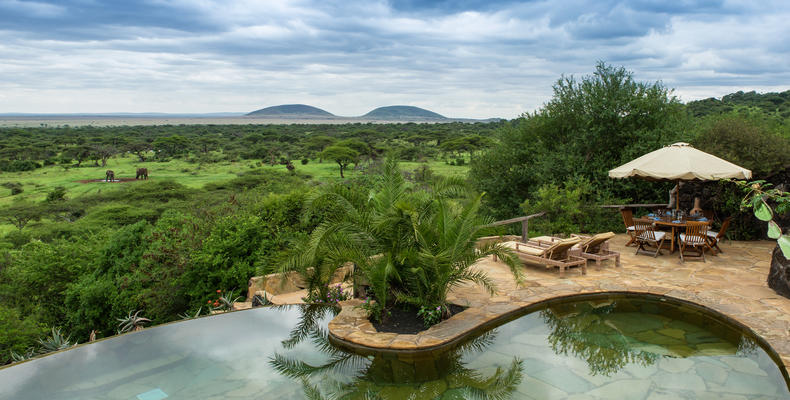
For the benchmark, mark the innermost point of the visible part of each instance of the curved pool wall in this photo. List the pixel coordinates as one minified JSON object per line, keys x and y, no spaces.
{"x":599,"y":346}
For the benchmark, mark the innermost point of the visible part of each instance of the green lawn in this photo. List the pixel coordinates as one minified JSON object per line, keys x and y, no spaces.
{"x":38,"y":183}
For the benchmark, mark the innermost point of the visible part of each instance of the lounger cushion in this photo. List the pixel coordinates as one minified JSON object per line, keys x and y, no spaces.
{"x":713,"y":233}
{"x":691,"y":239}
{"x":534,"y":251}
{"x":630,"y":228}
{"x":658,"y":234}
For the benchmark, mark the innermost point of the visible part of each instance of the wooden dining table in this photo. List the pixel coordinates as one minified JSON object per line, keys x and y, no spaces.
{"x":676,"y":227}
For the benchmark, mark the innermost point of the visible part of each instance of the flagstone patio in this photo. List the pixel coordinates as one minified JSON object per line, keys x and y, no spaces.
{"x":732,"y":283}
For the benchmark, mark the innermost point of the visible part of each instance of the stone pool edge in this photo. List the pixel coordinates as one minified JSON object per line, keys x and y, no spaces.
{"x":351,"y":327}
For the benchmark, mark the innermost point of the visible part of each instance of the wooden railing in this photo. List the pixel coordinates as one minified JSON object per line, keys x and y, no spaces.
{"x":659,"y":205}
{"x":524,"y":224}
{"x":525,"y":219}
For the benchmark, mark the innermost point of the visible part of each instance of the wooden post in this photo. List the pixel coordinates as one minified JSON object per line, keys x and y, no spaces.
{"x":524,"y":230}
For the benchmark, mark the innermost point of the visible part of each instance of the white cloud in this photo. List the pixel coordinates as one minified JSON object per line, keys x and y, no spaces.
{"x":32,"y":8}
{"x":349,"y":57}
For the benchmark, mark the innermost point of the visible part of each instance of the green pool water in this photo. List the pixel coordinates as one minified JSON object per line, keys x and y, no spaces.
{"x":600,"y":347}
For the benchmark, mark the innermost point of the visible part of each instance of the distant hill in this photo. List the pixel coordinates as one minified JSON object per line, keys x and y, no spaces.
{"x":767,"y":102}
{"x":292,"y":111}
{"x":402,"y":113}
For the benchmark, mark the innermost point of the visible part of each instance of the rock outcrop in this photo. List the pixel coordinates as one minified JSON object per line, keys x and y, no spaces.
{"x":779,"y":275}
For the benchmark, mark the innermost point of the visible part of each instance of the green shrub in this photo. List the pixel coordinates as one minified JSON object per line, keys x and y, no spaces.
{"x":18,"y":165}
{"x":117,"y":214}
{"x":15,"y":187}
{"x":57,"y":194}
{"x":17,"y":238}
{"x":39,"y":274}
{"x":108,"y":291}
{"x":748,"y":143}
{"x":273,"y":181}
{"x":17,"y":333}
{"x":227,"y":257}
{"x":570,"y":208}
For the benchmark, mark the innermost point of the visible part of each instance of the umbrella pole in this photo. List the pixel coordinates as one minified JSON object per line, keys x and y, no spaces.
{"x":677,"y":197}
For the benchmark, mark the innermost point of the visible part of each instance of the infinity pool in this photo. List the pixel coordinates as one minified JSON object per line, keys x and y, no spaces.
{"x":595,"y":347}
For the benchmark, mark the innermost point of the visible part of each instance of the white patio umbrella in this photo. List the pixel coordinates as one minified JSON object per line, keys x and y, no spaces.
{"x":680,"y":162}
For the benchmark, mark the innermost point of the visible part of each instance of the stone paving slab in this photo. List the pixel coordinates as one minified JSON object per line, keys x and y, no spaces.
{"x":732,"y":283}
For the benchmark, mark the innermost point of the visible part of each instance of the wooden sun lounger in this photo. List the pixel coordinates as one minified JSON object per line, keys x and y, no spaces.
{"x":596,"y":248}
{"x":551,"y":254}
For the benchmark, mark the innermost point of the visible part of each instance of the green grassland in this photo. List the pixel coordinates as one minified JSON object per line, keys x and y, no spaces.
{"x":37,"y":183}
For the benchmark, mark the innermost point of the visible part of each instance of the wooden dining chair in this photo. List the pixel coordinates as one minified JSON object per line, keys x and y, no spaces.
{"x":695,"y":237}
{"x":628,"y":220}
{"x":645,"y":234}
{"x":714,"y":237}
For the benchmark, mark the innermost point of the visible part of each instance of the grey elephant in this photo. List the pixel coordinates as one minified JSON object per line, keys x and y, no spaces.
{"x":142,"y":173}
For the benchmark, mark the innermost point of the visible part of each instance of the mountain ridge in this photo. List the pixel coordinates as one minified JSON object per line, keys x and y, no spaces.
{"x":402,"y":112}
{"x":291,"y":111}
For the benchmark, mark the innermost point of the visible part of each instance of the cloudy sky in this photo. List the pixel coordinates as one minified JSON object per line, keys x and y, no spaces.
{"x":462,"y":58}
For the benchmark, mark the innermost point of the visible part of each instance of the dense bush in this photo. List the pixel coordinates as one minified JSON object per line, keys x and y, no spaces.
{"x":18,"y":165}
{"x":15,"y":187}
{"x":17,"y":333}
{"x":748,"y":143}
{"x":587,"y":128}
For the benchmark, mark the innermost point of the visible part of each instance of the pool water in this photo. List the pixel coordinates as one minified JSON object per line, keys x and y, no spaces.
{"x":596,"y":347}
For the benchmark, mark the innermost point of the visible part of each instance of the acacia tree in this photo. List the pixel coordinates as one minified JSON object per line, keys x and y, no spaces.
{"x":79,"y":153}
{"x":140,"y":149}
{"x":20,"y":214}
{"x":342,"y":155}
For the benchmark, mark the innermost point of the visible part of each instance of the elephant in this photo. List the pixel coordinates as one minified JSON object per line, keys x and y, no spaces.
{"x":142,"y":173}
{"x":109,"y":176}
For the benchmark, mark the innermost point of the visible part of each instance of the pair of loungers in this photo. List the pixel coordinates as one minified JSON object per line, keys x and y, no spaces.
{"x":566,"y":253}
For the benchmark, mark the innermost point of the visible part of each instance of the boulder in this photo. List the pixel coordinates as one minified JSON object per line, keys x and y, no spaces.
{"x":779,"y":275}
{"x":278,"y":283}
{"x":273,"y":284}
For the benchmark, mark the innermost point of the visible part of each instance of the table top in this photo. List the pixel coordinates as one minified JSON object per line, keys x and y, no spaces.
{"x":669,"y":221}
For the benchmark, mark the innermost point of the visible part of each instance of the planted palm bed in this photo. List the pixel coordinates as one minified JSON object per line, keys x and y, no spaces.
{"x":409,"y":245}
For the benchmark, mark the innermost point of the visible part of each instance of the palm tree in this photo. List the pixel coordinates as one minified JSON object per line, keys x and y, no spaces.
{"x":411,"y":246}
{"x":373,"y":373}
{"x":447,"y":250}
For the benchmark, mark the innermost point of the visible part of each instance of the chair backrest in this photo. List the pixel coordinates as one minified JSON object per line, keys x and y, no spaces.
{"x":696,"y":232}
{"x":593,"y":243}
{"x":559,"y":250}
{"x":628,"y":217}
{"x":645,"y":229}
{"x":723,"y":230}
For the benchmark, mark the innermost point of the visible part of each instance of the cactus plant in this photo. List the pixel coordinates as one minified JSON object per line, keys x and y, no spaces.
{"x":132,"y":322}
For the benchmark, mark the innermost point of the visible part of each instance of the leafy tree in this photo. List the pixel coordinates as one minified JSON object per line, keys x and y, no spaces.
{"x":319,"y":143}
{"x":20,"y":214}
{"x":104,"y":151}
{"x":342,"y":155}
{"x":227,"y":258}
{"x":17,"y":333}
{"x":140,"y":149}
{"x":38,"y":275}
{"x":170,"y":146}
{"x":746,"y":143}
{"x":587,"y":128}
{"x":79,"y":153}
